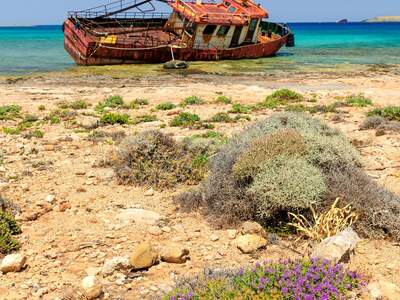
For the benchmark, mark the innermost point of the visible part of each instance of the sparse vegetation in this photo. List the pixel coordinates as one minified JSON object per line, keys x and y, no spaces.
{"x":192,"y":100}
{"x":222,"y":117}
{"x":8,"y":112}
{"x":154,"y":159}
{"x":380,"y":123}
{"x":223,"y":99}
{"x":115,"y":118}
{"x":238,"y":108}
{"x":289,"y":163}
{"x":391,"y":113}
{"x":37,"y":133}
{"x":165,"y":106}
{"x":111,"y":102}
{"x":145,"y":119}
{"x":288,"y":279}
{"x":185,"y":119}
{"x":100,"y":135}
{"x":11,"y":130}
{"x":41,"y":107}
{"x":78,"y":104}
{"x":8,"y":229}
{"x":358,"y":101}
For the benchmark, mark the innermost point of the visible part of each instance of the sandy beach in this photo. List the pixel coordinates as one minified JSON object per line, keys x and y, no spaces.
{"x":80,"y":229}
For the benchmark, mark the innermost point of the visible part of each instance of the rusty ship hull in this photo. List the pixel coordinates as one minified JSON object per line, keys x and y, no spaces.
{"x":130,"y":41}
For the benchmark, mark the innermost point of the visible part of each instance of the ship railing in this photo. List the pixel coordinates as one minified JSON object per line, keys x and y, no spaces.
{"x":114,"y":7}
{"x":125,"y":15}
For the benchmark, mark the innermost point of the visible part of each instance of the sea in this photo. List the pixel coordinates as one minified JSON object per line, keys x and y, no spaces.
{"x":28,"y":50}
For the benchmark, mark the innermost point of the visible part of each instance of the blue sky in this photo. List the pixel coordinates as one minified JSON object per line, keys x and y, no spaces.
{"x":34,"y":12}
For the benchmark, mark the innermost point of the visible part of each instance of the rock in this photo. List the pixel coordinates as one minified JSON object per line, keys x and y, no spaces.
{"x":214,"y":238}
{"x":149,"y":192}
{"x":140,"y":216}
{"x":91,"y":287}
{"x":50,"y":198}
{"x":115,"y":263}
{"x":12,"y":263}
{"x":166,"y":229}
{"x":155,"y":230}
{"x":176,"y":64}
{"x":175,"y":255}
{"x":383,"y":289}
{"x":144,"y":256}
{"x":338,"y":247}
{"x":231,"y":233}
{"x":250,"y":243}
{"x":253,"y":228}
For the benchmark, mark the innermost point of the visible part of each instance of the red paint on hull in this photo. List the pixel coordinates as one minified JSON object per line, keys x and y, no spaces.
{"x":86,"y":51}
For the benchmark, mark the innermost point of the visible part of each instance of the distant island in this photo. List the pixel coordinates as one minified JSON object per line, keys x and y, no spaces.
{"x":343,"y":21}
{"x":383,"y":19}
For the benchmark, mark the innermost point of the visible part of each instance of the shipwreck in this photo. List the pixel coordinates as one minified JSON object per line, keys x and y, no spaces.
{"x":132,"y":31}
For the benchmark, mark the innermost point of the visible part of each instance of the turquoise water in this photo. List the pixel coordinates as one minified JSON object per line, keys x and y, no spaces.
{"x":26,"y":50}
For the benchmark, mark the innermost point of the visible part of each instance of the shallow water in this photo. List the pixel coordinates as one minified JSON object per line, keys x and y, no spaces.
{"x":319,"y":47}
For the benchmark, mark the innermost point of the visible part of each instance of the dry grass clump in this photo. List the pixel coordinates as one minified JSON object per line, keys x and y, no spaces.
{"x":380,"y":123}
{"x":325,"y":224}
{"x":154,"y":159}
{"x":281,"y":142}
{"x":291,"y":162}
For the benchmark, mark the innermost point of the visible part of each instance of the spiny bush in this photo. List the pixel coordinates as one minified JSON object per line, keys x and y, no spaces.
{"x":379,"y":123}
{"x":358,"y":100}
{"x":115,"y":118}
{"x":8,"y":228}
{"x":192,"y":100}
{"x":223,"y":99}
{"x":260,"y":176}
{"x":391,"y":113}
{"x":287,"y":279}
{"x":286,"y":184}
{"x":286,"y":142}
{"x":9,"y":111}
{"x":112,"y":102}
{"x":185,"y":119}
{"x":154,"y":159}
{"x":165,"y":106}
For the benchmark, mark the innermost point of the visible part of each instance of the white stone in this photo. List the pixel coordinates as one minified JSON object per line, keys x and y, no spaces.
{"x":214,"y":238}
{"x":383,"y":289}
{"x":337,"y":247}
{"x":149,"y":192}
{"x":12,"y":263}
{"x":232,"y":233}
{"x":115,"y":263}
{"x":50,"y":198}
{"x":250,"y":243}
{"x":91,"y":287}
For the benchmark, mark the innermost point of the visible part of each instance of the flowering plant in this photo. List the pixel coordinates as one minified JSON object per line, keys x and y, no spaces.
{"x":286,"y":279}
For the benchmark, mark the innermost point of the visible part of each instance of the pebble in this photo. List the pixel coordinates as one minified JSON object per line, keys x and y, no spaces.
{"x":214,"y":238}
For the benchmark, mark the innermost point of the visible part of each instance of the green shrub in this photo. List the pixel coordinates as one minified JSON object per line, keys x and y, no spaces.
{"x":41,"y":107}
{"x":11,"y":130}
{"x":238,"y":108}
{"x":112,"y":102}
{"x":37,"y":133}
{"x":78,"y":104}
{"x":296,"y":107}
{"x":145,"y":119}
{"x":289,"y":162}
{"x":223,"y":99}
{"x":192,"y":100}
{"x":8,"y":228}
{"x":8,"y":112}
{"x":154,"y":159}
{"x":391,"y":113}
{"x":185,"y":119}
{"x":222,"y":117}
{"x":59,"y":115}
{"x":330,"y":108}
{"x":211,"y":141}
{"x":286,"y":184}
{"x":358,"y":101}
{"x":286,"y":96}
{"x":165,"y":106}
{"x":114,"y":118}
